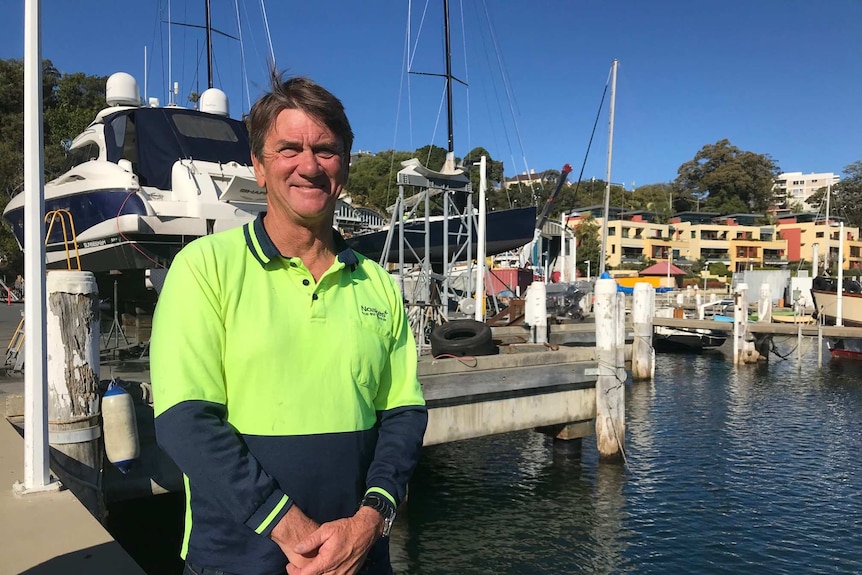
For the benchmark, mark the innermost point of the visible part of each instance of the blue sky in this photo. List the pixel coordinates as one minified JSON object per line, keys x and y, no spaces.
{"x":777,"y":77}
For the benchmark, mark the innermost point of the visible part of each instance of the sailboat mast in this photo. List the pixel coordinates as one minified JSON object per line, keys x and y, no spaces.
{"x":209,"y":46}
{"x":451,"y":148}
{"x":606,"y":221}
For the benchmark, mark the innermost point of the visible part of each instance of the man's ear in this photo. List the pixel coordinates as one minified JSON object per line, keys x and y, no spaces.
{"x":259,"y":173}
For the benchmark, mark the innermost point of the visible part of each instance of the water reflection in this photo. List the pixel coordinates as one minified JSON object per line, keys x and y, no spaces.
{"x":728,"y":471}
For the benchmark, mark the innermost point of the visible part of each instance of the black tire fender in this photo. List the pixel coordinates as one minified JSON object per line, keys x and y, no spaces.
{"x":462,"y":337}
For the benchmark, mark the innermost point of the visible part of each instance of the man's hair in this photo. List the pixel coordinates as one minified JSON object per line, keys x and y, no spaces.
{"x":297,"y":93}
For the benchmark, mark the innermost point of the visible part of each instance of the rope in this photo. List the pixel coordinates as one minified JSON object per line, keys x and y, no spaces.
{"x":461,"y":359}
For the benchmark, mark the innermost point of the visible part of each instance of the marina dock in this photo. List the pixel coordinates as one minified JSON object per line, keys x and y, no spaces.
{"x":47,"y":533}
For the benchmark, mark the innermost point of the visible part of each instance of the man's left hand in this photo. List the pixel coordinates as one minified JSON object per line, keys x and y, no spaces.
{"x":341,"y":545}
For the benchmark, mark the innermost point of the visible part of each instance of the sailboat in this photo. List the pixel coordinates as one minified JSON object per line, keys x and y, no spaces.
{"x":446,"y":236}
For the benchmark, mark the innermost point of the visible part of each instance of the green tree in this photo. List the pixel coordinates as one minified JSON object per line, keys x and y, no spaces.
{"x":846,"y":199}
{"x":729,"y":180}
{"x":432,"y":157}
{"x":588,"y":236}
{"x":494,"y":169}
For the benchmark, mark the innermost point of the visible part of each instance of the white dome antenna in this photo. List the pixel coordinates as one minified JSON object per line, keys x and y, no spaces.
{"x":214,"y":101}
{"x":121,"y":89}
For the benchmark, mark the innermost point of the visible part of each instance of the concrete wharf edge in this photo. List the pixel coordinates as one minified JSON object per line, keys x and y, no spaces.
{"x":49,"y":533}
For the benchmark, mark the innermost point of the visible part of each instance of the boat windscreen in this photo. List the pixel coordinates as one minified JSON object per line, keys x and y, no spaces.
{"x":154,"y":138}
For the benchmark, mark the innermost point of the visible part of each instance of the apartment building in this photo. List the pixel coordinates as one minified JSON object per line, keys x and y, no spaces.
{"x":736,"y":240}
{"x":795,"y":188}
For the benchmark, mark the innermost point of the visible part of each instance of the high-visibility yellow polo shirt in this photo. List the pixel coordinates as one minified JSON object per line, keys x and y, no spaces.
{"x":272,"y":389}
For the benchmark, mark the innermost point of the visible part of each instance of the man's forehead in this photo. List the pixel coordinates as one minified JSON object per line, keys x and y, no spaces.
{"x":292,"y":125}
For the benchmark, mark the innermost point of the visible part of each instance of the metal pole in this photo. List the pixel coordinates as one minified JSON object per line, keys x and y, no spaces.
{"x":37,"y":474}
{"x":451,"y":148}
{"x":608,"y":183}
{"x":209,"y":47}
{"x":839,"y":292}
{"x":480,"y":248}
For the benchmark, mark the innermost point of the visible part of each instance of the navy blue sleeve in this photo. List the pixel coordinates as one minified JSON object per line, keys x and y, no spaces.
{"x":399,"y":444}
{"x":215,"y":459}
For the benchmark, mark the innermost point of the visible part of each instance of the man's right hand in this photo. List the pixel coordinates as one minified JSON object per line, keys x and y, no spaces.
{"x":290,"y":530}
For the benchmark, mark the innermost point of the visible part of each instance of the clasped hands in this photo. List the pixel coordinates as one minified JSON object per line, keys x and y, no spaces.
{"x":338,"y":547}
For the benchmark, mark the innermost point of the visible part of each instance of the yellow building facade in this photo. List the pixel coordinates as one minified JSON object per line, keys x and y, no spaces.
{"x":724,"y":239}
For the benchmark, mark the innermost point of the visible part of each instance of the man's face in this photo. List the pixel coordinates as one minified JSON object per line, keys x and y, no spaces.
{"x":303,"y":168}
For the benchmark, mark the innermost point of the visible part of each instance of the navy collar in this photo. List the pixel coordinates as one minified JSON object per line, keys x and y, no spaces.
{"x":264,"y":251}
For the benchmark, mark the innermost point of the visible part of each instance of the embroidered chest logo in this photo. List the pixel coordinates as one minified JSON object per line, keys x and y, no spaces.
{"x":368,"y":310}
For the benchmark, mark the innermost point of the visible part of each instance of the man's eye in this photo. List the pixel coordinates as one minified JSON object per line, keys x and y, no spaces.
{"x":326,"y":154}
{"x":288,"y":152}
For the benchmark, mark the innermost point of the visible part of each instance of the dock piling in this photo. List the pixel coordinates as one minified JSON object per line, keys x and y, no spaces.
{"x":610,"y":390}
{"x":643,"y":310}
{"x":74,"y":426}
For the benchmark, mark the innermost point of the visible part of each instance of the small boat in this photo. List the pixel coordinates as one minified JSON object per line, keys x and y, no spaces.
{"x":680,"y":339}
{"x":824,"y":291}
{"x":672,"y":339}
{"x":848,"y":348}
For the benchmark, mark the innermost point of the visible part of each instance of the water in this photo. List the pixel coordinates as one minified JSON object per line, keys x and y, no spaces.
{"x":750,"y":470}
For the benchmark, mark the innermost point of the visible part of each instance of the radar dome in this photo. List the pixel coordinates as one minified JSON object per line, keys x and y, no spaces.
{"x":122,"y":90}
{"x":214,"y":101}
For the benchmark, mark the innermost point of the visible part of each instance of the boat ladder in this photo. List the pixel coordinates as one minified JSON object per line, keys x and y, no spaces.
{"x":14,"y":357}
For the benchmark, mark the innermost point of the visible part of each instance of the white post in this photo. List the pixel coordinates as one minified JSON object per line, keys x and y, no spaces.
{"x":563,"y":240}
{"x":480,"y":247}
{"x":764,"y":306}
{"x":574,"y":257}
{"x":643,"y":311}
{"x":610,"y":392}
{"x":536,"y":312}
{"x":739,"y":318}
{"x":815,"y":260}
{"x":37,"y":473}
{"x":839,"y":315}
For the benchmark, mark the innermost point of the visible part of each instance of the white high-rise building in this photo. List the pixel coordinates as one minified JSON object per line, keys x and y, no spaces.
{"x":795,"y":188}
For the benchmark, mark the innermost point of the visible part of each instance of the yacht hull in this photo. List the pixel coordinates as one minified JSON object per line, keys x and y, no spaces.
{"x":505,"y":230}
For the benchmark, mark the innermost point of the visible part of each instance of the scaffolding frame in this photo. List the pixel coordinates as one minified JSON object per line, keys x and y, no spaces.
{"x":427,"y":286}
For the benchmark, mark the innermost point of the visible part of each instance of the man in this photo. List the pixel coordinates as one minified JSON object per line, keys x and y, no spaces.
{"x":284,"y":369}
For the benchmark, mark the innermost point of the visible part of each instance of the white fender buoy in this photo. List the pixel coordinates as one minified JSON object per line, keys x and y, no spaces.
{"x":120,"y":427}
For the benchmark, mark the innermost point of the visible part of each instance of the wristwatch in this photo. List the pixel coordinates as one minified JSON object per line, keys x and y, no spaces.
{"x":384,"y":507}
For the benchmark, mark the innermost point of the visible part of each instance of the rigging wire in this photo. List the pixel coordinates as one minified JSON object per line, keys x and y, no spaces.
{"x":492,"y":124}
{"x":268,"y":35}
{"x":418,"y":34}
{"x":267,"y":71}
{"x":409,"y":63}
{"x":398,"y":105}
{"x":592,"y":135}
{"x":437,"y":121}
{"x":507,"y":85}
{"x":466,"y":75}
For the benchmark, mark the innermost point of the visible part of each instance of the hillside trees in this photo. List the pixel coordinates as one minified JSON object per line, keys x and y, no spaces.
{"x":728,"y":180}
{"x":373,"y":184}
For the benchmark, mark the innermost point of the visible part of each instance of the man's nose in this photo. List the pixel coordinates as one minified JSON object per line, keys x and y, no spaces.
{"x":308,"y":165}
